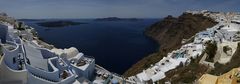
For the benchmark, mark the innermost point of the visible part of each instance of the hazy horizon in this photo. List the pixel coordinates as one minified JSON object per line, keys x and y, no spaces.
{"x":80,"y":9}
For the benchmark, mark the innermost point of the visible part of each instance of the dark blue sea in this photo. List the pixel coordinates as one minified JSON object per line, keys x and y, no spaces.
{"x":116,"y":45}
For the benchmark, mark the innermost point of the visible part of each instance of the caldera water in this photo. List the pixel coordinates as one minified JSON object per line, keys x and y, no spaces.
{"x":115,"y":45}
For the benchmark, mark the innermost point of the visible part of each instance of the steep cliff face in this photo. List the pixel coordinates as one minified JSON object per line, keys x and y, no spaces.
{"x":169,"y":34}
{"x":171,"y":31}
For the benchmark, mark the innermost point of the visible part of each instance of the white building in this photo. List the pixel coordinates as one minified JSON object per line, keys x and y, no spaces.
{"x":23,"y":62}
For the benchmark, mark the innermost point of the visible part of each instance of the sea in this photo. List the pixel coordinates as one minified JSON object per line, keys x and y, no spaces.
{"x":115,"y":45}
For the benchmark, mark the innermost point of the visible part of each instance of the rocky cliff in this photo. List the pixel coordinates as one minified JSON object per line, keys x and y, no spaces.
{"x":169,"y":33}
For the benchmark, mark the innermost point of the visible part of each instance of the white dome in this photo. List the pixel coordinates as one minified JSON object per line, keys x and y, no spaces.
{"x":71,"y":52}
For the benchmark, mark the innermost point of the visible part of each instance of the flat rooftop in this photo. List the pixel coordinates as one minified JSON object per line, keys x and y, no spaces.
{"x":35,"y":57}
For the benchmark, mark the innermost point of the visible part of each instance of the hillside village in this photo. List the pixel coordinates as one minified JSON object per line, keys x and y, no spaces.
{"x":26,"y":59}
{"x":224,"y":37}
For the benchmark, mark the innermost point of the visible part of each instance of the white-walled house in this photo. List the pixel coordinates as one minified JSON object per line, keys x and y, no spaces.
{"x":23,"y":61}
{"x":83,"y":65}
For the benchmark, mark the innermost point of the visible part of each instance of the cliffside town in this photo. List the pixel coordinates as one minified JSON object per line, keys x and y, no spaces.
{"x":195,"y":43}
{"x":169,"y":33}
{"x":197,"y":47}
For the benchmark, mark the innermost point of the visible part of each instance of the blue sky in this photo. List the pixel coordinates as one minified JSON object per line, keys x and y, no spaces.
{"x":109,"y":8}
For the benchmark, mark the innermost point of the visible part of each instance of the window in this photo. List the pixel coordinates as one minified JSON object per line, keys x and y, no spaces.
{"x":14,"y":60}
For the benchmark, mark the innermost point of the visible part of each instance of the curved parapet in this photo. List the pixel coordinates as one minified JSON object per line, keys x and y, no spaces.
{"x":33,"y":79}
{"x":47,"y":53}
{"x":10,"y":46}
{"x":53,"y":76}
{"x":11,"y":51}
{"x":8,"y":75}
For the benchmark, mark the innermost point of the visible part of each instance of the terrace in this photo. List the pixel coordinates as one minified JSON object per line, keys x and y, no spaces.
{"x":84,"y":62}
{"x":105,"y":77}
{"x":35,"y":58}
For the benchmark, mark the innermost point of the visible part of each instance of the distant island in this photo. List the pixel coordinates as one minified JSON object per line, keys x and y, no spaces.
{"x":31,"y":19}
{"x":55,"y":24}
{"x":116,"y":19}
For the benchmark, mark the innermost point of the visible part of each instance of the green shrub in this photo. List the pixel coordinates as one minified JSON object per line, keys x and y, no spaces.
{"x":34,"y":33}
{"x":226,"y":48}
{"x":211,"y":50}
{"x":238,"y":32}
{"x":20,"y":26}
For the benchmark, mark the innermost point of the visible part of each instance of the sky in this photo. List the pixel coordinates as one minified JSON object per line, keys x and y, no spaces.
{"x":41,"y":9}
